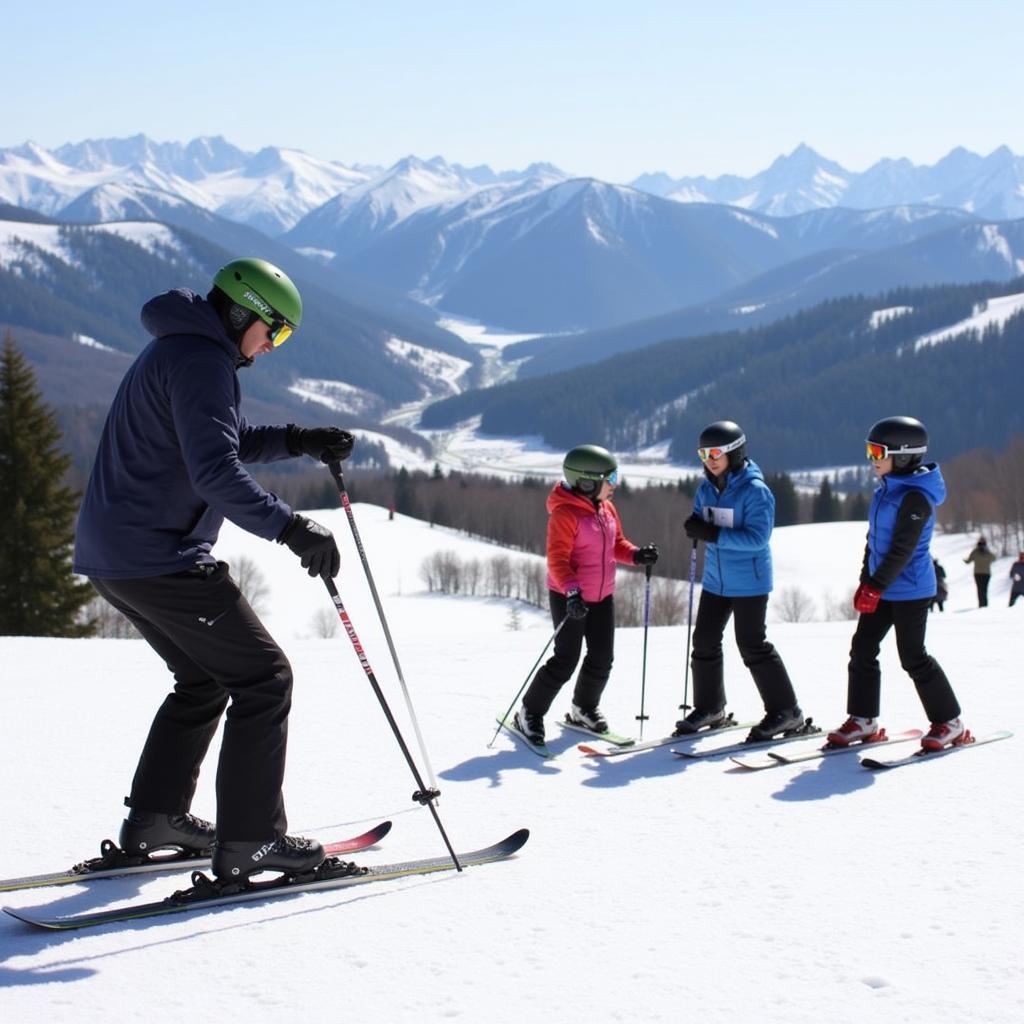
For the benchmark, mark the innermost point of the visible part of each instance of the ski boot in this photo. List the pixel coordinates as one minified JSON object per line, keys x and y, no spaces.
{"x":946,"y":734}
{"x":591,"y":719}
{"x":530,"y":725}
{"x":292,"y":855}
{"x":777,"y":723}
{"x":698,"y":719}
{"x":144,"y":832}
{"x":856,"y":730}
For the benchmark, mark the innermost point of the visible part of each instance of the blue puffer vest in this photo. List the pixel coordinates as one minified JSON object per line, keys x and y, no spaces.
{"x":917,"y":579}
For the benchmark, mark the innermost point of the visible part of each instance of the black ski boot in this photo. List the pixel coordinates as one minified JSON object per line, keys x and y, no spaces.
{"x":144,"y":832}
{"x":777,"y":723}
{"x":699,"y":719}
{"x":292,"y":855}
{"x":530,"y":725}
{"x":590,"y":718}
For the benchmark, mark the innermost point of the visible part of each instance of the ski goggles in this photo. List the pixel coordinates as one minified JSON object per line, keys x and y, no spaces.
{"x":717,"y":451}
{"x":877,"y":452}
{"x":609,"y":478}
{"x":279,"y":332}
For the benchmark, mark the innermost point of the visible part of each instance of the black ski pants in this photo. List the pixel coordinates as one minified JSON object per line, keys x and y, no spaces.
{"x":909,"y":619}
{"x":598,"y":629}
{"x":221,"y":657}
{"x":760,"y":657}
{"x":981,"y":583}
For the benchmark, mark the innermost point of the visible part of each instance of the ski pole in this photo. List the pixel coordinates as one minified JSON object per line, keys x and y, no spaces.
{"x":685,"y":706}
{"x":643,"y":671}
{"x":422,"y":795}
{"x":529,"y":676}
{"x":339,"y":479}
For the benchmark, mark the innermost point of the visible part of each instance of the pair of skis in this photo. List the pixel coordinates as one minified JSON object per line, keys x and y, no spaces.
{"x":776,"y":759}
{"x":543,"y":750}
{"x":205,"y":893}
{"x":621,"y":745}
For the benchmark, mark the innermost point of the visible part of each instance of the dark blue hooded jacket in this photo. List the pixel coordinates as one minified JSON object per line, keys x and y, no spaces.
{"x":169,"y":470}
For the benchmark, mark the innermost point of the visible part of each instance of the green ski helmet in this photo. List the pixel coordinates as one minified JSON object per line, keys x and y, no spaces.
{"x":261,"y":289}
{"x":587,"y":466}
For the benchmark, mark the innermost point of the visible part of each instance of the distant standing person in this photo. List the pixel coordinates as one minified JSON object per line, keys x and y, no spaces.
{"x":982,"y":559}
{"x":169,"y":469}
{"x":1017,"y":579}
{"x":734,"y":514}
{"x":941,"y":590}
{"x":584,"y":543}
{"x":897,"y":585}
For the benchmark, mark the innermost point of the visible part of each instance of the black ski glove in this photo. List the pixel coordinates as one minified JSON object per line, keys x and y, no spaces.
{"x":328,"y":444}
{"x":647,"y":555}
{"x":314,"y":544}
{"x":574,"y":606}
{"x":699,"y":529}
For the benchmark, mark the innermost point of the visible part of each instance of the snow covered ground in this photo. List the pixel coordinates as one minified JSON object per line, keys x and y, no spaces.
{"x":650,"y":890}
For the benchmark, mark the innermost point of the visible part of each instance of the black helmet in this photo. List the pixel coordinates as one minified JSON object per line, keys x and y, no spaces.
{"x":902,"y":437}
{"x":587,"y":466}
{"x":723,"y":436}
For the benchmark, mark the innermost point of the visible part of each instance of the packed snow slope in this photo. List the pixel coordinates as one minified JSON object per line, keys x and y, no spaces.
{"x":652,"y":889}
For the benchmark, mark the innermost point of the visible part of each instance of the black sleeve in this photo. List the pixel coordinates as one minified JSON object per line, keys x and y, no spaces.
{"x":915,"y":511}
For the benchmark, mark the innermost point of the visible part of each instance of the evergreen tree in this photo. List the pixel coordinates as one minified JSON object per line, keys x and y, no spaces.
{"x":39,"y":596}
{"x":856,"y":506}
{"x":825,"y":507}
{"x":787,"y":506}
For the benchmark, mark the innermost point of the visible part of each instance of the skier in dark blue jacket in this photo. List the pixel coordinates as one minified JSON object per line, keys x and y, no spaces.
{"x":168,"y":471}
{"x":734,"y":514}
{"x":897,"y":586}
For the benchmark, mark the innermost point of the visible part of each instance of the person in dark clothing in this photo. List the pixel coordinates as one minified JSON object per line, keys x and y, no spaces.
{"x":734,"y":514}
{"x":1017,"y":579}
{"x":941,"y":590}
{"x":897,"y":584}
{"x":168,"y":471}
{"x":982,"y":558}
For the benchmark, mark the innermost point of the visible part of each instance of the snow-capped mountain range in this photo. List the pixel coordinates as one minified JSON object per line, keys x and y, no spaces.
{"x":275,"y":188}
{"x":991,"y":187}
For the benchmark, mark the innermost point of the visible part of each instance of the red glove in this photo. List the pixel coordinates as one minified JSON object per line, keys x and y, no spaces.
{"x":866,"y":599}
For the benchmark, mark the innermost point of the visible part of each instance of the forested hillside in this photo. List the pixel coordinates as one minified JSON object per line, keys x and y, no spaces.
{"x":804,"y":388}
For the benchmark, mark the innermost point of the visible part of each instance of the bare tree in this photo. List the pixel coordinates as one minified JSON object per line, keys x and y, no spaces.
{"x":108,"y":621}
{"x":792,"y":604}
{"x":324,"y":623}
{"x":839,"y":609}
{"x":251,"y":582}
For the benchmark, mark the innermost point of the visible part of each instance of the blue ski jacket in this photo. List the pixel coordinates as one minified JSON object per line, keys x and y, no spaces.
{"x":169,"y":468}
{"x":739,"y":563}
{"x":898,"y":559}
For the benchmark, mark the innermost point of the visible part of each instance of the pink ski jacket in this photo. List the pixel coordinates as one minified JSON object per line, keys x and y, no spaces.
{"x":584,"y":544}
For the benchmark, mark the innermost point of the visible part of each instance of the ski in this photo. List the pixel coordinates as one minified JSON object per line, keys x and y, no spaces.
{"x":773,"y":759}
{"x":540,"y":749}
{"x":930,"y":755}
{"x":664,"y":741}
{"x":332,"y":874}
{"x":807,"y":729}
{"x":608,"y":737}
{"x":113,"y":862}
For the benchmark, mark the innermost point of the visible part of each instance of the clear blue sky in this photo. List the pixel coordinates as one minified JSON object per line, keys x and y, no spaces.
{"x":603,"y":89}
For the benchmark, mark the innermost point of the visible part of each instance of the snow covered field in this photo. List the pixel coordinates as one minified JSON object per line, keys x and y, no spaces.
{"x":650,"y":890}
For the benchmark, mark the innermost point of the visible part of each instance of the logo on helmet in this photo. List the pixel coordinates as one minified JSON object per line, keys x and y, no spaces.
{"x":252,"y":297}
